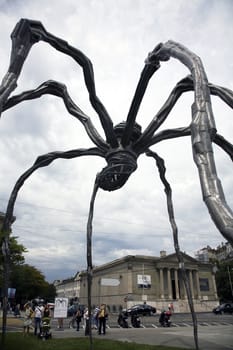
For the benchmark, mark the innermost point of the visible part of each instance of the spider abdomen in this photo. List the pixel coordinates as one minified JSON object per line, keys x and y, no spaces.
{"x":121,"y":164}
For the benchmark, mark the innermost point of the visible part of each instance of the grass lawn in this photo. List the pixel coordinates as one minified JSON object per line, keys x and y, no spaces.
{"x":17,"y":341}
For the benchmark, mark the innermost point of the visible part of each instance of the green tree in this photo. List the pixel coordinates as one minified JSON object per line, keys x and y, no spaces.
{"x":16,"y":258}
{"x":30,"y":283}
{"x":17,"y":250}
{"x":224,"y":280}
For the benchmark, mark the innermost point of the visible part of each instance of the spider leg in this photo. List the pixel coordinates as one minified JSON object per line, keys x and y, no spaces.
{"x":186,"y":131}
{"x":41,"y":161}
{"x":224,"y":144}
{"x":146,"y":74}
{"x":225,"y":94}
{"x":185,"y":84}
{"x":26,"y":33}
{"x":167,"y":188}
{"x":89,"y":251}
{"x":203,"y":131}
{"x":55,"y":88}
{"x":182,"y":86}
{"x":22,"y":41}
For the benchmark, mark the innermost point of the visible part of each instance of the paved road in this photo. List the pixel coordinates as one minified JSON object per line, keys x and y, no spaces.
{"x":215,"y":332}
{"x":178,"y":320}
{"x":210,"y":338}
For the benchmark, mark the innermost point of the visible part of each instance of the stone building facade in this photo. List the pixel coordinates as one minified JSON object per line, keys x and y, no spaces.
{"x":69,"y":288}
{"x":154,"y":280}
{"x":223,"y":252}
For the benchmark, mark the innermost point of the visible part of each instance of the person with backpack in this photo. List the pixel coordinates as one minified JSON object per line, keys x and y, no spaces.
{"x":78,"y":318}
{"x":102,"y":316}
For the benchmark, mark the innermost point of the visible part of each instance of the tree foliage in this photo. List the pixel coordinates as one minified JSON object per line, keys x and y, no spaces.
{"x":16,"y":256}
{"x":224,"y":280}
{"x":28,"y":281}
{"x":16,"y":252}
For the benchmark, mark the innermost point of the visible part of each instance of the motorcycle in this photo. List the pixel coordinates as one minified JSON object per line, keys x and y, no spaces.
{"x":164,"y":319}
{"x":135,"y":321}
{"x":123,"y":320}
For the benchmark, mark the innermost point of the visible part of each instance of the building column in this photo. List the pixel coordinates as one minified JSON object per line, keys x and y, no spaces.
{"x":191,"y":282}
{"x":183,"y":294}
{"x":161,"y":283}
{"x":214,"y":286}
{"x":130,"y":279}
{"x":197,"y":284}
{"x":184,"y":288}
{"x":177,"y":284}
{"x":169,"y":284}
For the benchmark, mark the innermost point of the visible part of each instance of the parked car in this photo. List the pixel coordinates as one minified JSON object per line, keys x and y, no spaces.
{"x":223,"y":309}
{"x":141,"y":309}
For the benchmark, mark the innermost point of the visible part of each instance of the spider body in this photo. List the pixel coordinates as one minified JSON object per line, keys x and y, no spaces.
{"x":122,"y":161}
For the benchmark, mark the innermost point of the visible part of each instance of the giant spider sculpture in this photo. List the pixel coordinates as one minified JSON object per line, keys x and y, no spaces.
{"x":126,"y":141}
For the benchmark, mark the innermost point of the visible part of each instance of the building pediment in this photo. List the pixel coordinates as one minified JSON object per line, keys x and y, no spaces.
{"x":172,"y":260}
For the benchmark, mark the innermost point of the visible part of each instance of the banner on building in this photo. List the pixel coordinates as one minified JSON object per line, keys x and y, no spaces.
{"x":144,"y":281}
{"x":60,"y":307}
{"x":111,"y":282}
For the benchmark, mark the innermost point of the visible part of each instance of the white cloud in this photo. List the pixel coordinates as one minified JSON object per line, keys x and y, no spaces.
{"x":52,"y":207}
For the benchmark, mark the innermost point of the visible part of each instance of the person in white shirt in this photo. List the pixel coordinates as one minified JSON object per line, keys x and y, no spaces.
{"x":39,"y":310}
{"x":86,"y":321}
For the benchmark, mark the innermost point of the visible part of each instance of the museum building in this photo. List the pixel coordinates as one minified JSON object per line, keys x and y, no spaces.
{"x":137,"y":279}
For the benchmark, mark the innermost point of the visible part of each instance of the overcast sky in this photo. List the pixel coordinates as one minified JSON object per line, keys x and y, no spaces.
{"x":117,"y":35}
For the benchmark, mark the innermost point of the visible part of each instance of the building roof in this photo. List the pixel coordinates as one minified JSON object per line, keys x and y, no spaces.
{"x":145,"y":259}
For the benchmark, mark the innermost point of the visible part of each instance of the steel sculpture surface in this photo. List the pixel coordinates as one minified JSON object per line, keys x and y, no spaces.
{"x":126,"y":141}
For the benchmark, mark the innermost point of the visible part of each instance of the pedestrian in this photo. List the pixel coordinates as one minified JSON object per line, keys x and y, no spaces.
{"x":27,"y":323}
{"x":96,"y":317}
{"x":86,"y":321}
{"x":78,"y":318}
{"x":102,"y":319}
{"x":73,"y":320}
{"x":171,"y":307}
{"x":167,"y":317}
{"x":38,"y":311}
{"x":60,"y":323}
{"x":46,"y":311}
{"x":17,"y":310}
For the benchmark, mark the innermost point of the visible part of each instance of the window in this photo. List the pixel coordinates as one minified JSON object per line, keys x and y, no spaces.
{"x":204,"y":284}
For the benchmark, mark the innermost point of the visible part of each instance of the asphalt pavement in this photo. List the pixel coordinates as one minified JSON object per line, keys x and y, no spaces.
{"x":214,"y":332}
{"x":210,"y":337}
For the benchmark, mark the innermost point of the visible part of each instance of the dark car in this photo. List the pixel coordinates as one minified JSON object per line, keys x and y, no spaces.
{"x":226,"y":308}
{"x":141,"y":309}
